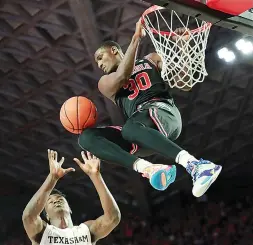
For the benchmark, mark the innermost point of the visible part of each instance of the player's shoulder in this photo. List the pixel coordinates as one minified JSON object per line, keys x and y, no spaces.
{"x":153,"y":56}
{"x":106,"y":85}
{"x":85,"y":224}
{"x":103,"y":82}
{"x":37,"y":238}
{"x":34,"y":243}
{"x":155,"y":59}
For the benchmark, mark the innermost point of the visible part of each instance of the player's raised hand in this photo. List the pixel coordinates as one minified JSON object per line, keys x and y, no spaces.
{"x":90,"y":164}
{"x":55,"y":166}
{"x":139,"y":30}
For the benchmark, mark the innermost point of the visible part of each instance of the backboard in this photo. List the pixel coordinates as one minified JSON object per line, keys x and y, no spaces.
{"x":239,"y":17}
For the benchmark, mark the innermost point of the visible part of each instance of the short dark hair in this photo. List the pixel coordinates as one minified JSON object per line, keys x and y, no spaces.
{"x":57,"y":192}
{"x":109,"y":44}
{"x":54,"y":192}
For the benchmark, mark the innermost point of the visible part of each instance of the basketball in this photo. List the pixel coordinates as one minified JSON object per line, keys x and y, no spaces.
{"x":78,"y":113}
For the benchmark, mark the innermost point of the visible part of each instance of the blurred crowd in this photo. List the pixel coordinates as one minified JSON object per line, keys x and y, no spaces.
{"x":199,"y":223}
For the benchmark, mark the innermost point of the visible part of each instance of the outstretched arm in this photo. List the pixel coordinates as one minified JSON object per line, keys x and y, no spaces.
{"x":110,"y":84}
{"x":32,"y":222}
{"x":102,"y":226}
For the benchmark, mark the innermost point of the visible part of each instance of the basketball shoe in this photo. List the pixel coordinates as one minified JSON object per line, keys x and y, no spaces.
{"x":160,"y":176}
{"x":203,"y":173}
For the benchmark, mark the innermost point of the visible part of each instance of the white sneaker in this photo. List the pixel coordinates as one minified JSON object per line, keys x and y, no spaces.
{"x":203,"y":173}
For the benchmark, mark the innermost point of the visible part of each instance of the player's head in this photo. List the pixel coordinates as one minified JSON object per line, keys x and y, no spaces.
{"x":56,"y":205}
{"x":108,"y":56}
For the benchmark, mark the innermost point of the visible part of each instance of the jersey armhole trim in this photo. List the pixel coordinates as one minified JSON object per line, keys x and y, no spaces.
{"x":44,"y":233}
{"x":152,"y":62}
{"x":89,"y":233}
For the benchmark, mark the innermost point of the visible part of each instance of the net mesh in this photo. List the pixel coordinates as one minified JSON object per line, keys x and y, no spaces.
{"x":182,"y":52}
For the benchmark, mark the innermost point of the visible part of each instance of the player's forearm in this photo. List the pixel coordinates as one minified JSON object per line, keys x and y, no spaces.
{"x":109,"y":205}
{"x":38,"y":201}
{"x":126,"y":66}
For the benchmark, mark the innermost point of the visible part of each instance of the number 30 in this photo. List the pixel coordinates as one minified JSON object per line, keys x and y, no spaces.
{"x":141,"y":82}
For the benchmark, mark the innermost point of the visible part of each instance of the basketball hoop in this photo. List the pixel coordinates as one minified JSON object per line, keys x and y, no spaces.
{"x":183,"y":55}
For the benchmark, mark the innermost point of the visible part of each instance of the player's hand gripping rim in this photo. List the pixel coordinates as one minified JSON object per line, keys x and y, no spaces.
{"x":90,"y":164}
{"x":139,"y":30}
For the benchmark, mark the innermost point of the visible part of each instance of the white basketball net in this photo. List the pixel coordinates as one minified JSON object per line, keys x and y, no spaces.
{"x":183,"y":55}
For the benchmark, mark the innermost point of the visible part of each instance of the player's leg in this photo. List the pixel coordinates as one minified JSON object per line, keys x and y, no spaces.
{"x":155,"y":128}
{"x":109,"y":145}
{"x":141,"y":129}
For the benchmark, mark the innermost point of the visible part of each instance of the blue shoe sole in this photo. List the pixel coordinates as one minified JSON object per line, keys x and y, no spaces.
{"x":161,"y":179}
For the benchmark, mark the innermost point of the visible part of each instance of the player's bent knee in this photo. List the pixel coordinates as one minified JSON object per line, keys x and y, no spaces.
{"x":129,"y":131}
{"x":88,"y":138}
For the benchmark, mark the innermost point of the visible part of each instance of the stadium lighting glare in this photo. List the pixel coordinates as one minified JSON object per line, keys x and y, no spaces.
{"x":246,"y":47}
{"x":226,"y":55}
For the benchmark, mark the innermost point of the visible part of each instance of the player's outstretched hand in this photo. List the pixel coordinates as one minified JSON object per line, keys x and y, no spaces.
{"x":90,"y":164}
{"x":55,"y":166}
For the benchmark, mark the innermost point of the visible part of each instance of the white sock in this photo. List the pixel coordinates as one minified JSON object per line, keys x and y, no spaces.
{"x":141,"y":164}
{"x":183,"y":157}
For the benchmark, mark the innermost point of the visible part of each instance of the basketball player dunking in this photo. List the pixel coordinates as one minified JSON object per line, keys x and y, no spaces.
{"x":153,"y":120}
{"x":60,"y":229}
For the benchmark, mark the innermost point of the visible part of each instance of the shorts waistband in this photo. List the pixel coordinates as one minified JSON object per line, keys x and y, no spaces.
{"x":153,"y":100}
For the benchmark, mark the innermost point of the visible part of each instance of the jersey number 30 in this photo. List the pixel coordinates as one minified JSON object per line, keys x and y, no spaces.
{"x":140,"y":82}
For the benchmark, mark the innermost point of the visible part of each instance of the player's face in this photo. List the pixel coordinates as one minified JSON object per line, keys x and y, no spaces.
{"x":107,"y":60}
{"x":56,"y":204}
